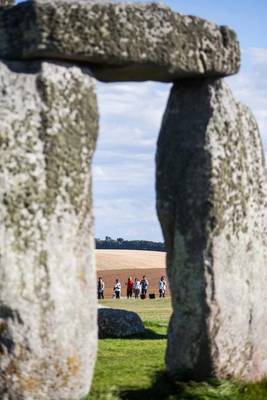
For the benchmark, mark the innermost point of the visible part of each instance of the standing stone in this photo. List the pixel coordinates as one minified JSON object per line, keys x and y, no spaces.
{"x":48,"y":321}
{"x":211,"y":201}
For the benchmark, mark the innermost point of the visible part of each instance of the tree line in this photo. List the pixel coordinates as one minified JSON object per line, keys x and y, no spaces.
{"x":120,"y":243}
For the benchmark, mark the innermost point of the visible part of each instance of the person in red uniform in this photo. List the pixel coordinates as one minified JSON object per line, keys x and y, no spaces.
{"x":129,"y":284}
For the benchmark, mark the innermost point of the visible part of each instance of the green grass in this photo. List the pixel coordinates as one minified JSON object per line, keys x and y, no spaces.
{"x":148,"y":310}
{"x":132,"y":369}
{"x":131,"y":363}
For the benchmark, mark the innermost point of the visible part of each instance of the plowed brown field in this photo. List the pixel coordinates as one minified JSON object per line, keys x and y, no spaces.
{"x":112,"y":264}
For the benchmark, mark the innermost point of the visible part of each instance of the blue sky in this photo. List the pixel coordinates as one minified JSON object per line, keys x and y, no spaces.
{"x":246,"y":17}
{"x":130,"y":117}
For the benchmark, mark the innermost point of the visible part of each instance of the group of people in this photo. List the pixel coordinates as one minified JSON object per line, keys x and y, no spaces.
{"x":137,"y":287}
{"x":134,"y":288}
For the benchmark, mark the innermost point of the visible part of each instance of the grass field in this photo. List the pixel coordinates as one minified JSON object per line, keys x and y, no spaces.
{"x":132,"y":369}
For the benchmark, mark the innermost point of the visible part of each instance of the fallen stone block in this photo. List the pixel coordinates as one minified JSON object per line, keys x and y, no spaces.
{"x":118,"y":323}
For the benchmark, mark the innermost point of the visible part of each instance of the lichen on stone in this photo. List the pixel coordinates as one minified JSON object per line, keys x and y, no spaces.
{"x":48,"y":130}
{"x":120,"y":41}
{"x":211,"y":202}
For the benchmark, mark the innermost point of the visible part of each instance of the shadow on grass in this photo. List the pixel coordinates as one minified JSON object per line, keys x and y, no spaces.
{"x":161,"y":389}
{"x":148,"y":334}
{"x":165,"y":389}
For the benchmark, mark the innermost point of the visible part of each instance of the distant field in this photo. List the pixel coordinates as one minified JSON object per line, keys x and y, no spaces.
{"x":112,"y":264}
{"x":153,"y":276}
{"x":129,"y":259}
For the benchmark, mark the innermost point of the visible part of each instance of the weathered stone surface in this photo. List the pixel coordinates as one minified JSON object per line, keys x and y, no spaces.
{"x":211,"y":201}
{"x":4,"y":3}
{"x":118,"y":323}
{"x":48,"y":321}
{"x":120,"y":41}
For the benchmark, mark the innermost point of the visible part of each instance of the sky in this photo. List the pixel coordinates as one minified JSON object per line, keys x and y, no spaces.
{"x":131,"y":113}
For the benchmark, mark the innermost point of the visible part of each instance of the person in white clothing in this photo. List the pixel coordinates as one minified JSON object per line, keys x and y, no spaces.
{"x":136,"y":288}
{"x":117,"y":289}
{"x":162,"y":287}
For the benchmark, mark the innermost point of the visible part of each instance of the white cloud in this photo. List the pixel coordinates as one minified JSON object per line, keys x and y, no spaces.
{"x":250,"y":86}
{"x":124,"y":170}
{"x":128,"y":218}
{"x":139,"y":102}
